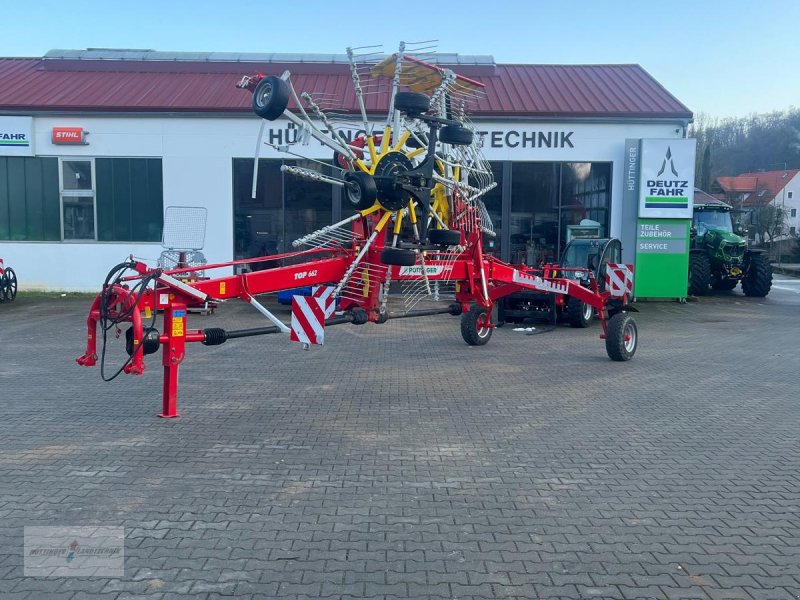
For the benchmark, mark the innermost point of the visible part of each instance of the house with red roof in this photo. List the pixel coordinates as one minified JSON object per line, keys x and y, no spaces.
{"x":750,"y":191}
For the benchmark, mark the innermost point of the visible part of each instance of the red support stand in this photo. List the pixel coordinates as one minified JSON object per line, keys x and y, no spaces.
{"x":174,"y":352}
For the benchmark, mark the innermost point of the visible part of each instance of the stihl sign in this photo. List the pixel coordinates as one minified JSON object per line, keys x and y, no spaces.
{"x":69,"y":135}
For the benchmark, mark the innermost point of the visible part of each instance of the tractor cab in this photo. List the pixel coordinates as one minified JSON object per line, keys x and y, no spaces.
{"x":579,"y":258}
{"x":592,"y":255}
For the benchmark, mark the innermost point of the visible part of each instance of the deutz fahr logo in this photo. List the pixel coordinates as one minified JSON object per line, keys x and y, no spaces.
{"x":13,"y":139}
{"x":667,"y":193}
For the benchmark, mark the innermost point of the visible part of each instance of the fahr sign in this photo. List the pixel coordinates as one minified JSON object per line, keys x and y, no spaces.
{"x":16,"y":136}
{"x":69,"y":136}
{"x":666,"y":179}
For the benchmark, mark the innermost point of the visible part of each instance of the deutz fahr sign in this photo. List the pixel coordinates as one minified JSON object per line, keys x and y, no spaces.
{"x":16,"y":136}
{"x":666,"y":183}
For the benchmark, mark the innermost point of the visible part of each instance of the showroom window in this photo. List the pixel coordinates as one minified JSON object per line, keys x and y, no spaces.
{"x":546,"y":198}
{"x":284,"y":209}
{"x":81,"y":199}
{"x":29,"y":199}
{"x":129,"y":199}
{"x":493,"y":200}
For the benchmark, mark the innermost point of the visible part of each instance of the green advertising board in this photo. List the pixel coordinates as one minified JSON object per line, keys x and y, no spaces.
{"x":662,"y":258}
{"x":665,"y":193}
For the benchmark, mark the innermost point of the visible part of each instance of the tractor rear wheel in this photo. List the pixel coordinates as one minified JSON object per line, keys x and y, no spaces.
{"x":579,"y":314}
{"x":724,"y":284}
{"x":757,"y":280}
{"x":699,"y":274}
{"x":270,"y":98}
{"x":621,"y":337}
{"x":476,"y":326}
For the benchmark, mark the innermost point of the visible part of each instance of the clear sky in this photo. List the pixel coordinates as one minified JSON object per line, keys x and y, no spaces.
{"x":725,"y":58}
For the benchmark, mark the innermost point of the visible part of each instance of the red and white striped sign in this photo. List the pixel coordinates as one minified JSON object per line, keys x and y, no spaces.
{"x":325,"y":294}
{"x":619,"y":280}
{"x":308,"y":320}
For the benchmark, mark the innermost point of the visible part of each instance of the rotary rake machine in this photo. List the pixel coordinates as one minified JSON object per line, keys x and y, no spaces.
{"x":415,"y":186}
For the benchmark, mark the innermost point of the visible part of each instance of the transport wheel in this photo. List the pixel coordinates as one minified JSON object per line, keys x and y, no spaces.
{"x":360,"y":189}
{"x":444,"y":237}
{"x":724,"y":284}
{"x":455,"y":135}
{"x":699,"y":274}
{"x":757,"y":280}
{"x":9,"y":284}
{"x":398,"y":257}
{"x":621,"y":337}
{"x":270,"y":98}
{"x":412,"y":103}
{"x":476,"y":326}
{"x":579,"y":313}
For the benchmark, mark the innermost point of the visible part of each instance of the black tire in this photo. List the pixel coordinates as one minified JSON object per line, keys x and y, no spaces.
{"x":358,"y":316}
{"x":455,"y":135}
{"x":270,"y":98}
{"x":360,"y":190}
{"x":699,"y":274}
{"x":757,"y":280}
{"x":579,"y":314}
{"x":444,"y":237}
{"x":725,"y":285}
{"x":412,"y":103}
{"x":474,"y":333}
{"x":620,"y":326}
{"x":399,"y":257}
{"x":10,"y":284}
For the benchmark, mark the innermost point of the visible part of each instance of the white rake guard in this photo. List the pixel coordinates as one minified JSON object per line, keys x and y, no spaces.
{"x":619,"y":280}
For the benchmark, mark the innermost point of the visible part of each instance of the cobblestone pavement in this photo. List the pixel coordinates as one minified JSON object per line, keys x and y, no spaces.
{"x":397,"y":462}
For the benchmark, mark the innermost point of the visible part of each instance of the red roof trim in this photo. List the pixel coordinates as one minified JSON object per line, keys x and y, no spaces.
{"x":113,"y":86}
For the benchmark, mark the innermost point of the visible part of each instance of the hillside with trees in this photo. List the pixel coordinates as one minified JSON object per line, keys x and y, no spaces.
{"x":758,"y":142}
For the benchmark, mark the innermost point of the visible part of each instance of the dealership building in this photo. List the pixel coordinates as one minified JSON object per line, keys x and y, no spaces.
{"x":96,"y":144}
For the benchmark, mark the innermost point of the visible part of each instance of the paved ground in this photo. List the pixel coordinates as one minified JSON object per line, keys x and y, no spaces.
{"x":398,"y":462}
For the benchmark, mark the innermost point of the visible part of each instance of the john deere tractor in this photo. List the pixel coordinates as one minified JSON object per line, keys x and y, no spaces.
{"x":720,"y":258}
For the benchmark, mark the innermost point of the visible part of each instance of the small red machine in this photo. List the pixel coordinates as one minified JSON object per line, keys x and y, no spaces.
{"x":415,"y":189}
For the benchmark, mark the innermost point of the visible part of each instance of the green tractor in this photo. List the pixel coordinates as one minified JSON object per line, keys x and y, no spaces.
{"x":719,"y":256}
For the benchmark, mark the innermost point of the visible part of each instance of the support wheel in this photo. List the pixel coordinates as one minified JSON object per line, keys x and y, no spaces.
{"x":270,"y":98}
{"x":360,"y":189}
{"x":398,"y":257}
{"x":757,"y":280}
{"x":358,"y":316}
{"x":412,"y":103}
{"x":476,"y":327}
{"x":579,"y":313}
{"x":9,"y":285}
{"x":455,"y":135}
{"x":444,"y":237}
{"x":699,"y":274}
{"x":621,"y":337}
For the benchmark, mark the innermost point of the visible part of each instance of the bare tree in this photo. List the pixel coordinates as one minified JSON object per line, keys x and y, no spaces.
{"x":770,"y":223}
